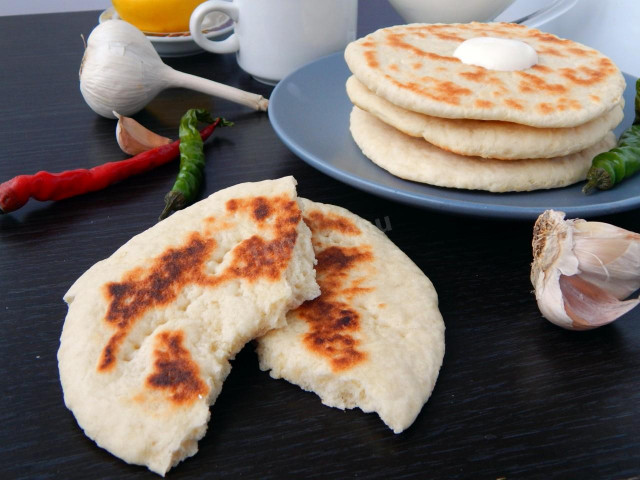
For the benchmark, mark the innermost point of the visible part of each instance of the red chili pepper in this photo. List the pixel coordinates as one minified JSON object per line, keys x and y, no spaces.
{"x":42,"y":186}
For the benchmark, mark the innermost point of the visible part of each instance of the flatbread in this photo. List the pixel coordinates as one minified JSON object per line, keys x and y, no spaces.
{"x":374,"y":339}
{"x":150,"y":330}
{"x":416,"y":159}
{"x":486,"y":138}
{"x":413,"y":67}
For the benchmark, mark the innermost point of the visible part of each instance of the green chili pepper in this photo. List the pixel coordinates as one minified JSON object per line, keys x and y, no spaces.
{"x":192,"y":161}
{"x":610,"y":168}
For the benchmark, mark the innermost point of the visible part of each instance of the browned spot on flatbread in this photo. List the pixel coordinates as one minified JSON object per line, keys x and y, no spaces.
{"x":259,"y":207}
{"x":542,"y":68}
{"x":607,"y":64}
{"x":175,"y":372}
{"x":550,"y":51}
{"x":157,"y":286}
{"x":580,"y":52}
{"x":320,"y":222}
{"x":141,"y":291}
{"x":483,"y":104}
{"x":586,"y":76}
{"x":482,"y":75}
{"x":332,"y":322}
{"x":533,"y":83}
{"x":513,"y":103}
{"x":258,"y":257}
{"x":418,"y":65}
{"x":396,"y":40}
{"x":595,"y":98}
{"x":394,"y":67}
{"x":500,"y":28}
{"x":444,"y":35}
{"x":440,"y":90}
{"x":545,"y":108}
{"x":209,"y":225}
{"x":356,"y":289}
{"x":478,"y":74}
{"x":548,"y":38}
{"x":564,"y":104}
{"x":108,"y":357}
{"x":419,"y":31}
{"x":371,"y":58}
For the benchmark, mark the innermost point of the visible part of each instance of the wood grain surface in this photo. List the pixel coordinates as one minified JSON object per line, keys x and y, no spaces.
{"x":517,"y":397}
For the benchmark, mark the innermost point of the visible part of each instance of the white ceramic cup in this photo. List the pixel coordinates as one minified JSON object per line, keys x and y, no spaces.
{"x":272,"y":38}
{"x":461,"y":11}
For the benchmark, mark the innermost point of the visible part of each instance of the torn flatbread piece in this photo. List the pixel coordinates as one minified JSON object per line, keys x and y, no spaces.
{"x":374,"y":338}
{"x":150,"y":330}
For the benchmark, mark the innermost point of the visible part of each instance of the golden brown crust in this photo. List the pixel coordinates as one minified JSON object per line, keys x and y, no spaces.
{"x":332,"y":321}
{"x":174,"y":370}
{"x":256,"y":257}
{"x":318,"y":221}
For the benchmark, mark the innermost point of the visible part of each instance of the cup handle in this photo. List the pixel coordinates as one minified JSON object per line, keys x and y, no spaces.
{"x":229,"y":44}
{"x":548,"y":13}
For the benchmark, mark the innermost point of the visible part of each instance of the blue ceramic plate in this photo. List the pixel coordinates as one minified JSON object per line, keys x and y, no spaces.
{"x":309,"y":110}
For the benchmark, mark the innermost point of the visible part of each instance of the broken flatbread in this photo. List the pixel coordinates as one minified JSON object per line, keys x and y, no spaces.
{"x":374,"y":338}
{"x":150,"y":330}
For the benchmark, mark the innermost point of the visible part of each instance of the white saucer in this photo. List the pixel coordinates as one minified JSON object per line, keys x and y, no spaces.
{"x":180,"y":44}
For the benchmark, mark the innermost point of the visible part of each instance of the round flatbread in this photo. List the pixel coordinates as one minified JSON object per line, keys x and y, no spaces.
{"x":374,"y":339}
{"x":486,"y":138}
{"x":150,"y":330}
{"x":413,"y":67}
{"x":415,"y":159}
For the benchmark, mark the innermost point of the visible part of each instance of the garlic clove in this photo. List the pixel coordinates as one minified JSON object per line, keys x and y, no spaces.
{"x":582,"y":271}
{"x":608,"y":256}
{"x":133,"y":138}
{"x":589,"y":306}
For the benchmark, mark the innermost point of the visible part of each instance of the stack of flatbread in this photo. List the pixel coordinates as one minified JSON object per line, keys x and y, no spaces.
{"x":150,"y":331}
{"x":423,"y":115}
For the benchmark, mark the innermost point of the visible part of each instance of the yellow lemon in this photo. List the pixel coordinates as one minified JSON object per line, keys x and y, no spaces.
{"x":157,"y":16}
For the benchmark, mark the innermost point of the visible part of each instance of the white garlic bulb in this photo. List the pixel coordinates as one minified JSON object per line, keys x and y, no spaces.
{"x":583,"y":271}
{"x":122,"y":72}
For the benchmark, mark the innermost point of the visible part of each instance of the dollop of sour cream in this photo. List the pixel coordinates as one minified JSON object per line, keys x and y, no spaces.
{"x":497,"y":53}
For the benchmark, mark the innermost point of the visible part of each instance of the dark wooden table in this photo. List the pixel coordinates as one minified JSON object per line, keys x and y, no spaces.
{"x":517,"y":397}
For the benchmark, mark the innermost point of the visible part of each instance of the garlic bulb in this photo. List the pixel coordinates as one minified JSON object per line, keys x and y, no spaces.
{"x":122,"y":72}
{"x":582,"y":271}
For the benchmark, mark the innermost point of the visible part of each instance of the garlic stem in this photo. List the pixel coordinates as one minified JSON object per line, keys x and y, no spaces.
{"x":582,"y":271}
{"x":215,"y":89}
